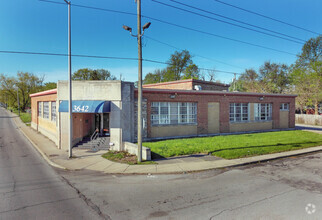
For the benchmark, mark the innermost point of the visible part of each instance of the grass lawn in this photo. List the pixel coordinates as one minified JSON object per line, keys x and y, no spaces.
{"x":25,"y":117}
{"x":124,"y":157}
{"x":237,"y":146}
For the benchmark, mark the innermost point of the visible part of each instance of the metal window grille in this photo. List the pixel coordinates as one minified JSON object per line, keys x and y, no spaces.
{"x":263,"y":111}
{"x":53,"y":111}
{"x":39,"y":109}
{"x":173,"y":113}
{"x":238,"y":112}
{"x":46,"y":110}
{"x":284,"y":106}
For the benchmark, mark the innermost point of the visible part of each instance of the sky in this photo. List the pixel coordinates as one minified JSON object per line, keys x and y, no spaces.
{"x":37,"y":26}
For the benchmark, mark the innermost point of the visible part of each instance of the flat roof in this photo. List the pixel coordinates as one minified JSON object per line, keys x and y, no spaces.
{"x":211,"y":92}
{"x":47,"y":92}
{"x":185,"y":81}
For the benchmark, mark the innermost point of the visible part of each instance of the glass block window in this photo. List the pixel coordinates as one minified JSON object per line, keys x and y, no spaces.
{"x":173,"y":113}
{"x":284,"y":107}
{"x":263,"y":111}
{"x":40,"y":109}
{"x":53,"y":111}
{"x":238,"y":112}
{"x":46,"y":110}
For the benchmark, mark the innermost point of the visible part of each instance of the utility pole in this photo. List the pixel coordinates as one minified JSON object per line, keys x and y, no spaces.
{"x":234,"y":82}
{"x":139,"y":37}
{"x":70,"y":82}
{"x":18,"y":101}
{"x":138,"y":2}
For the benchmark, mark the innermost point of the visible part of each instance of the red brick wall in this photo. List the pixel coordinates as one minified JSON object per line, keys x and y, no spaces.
{"x":188,"y":84}
{"x":224,"y":100}
{"x":180,"y":85}
{"x":34,"y":104}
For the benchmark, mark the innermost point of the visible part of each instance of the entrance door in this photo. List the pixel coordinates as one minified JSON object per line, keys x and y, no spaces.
{"x":106,"y":124}
{"x":98,"y":122}
{"x":213,"y":117}
{"x":102,"y":124}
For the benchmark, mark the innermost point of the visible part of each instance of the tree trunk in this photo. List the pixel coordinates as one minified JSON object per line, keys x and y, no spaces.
{"x":316,"y":108}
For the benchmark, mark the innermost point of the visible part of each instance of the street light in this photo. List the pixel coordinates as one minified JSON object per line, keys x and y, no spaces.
{"x":138,"y":36}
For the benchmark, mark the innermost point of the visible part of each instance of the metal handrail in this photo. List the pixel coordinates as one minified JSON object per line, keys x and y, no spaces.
{"x":94,"y":135}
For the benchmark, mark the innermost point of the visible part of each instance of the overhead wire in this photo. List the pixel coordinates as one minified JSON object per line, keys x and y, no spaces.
{"x":265,"y":16}
{"x":211,"y":59}
{"x":100,"y":57}
{"x":235,"y":20}
{"x":226,"y":22}
{"x":182,"y":27}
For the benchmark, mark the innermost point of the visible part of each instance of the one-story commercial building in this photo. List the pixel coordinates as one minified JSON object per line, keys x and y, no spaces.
{"x":171,"y":109}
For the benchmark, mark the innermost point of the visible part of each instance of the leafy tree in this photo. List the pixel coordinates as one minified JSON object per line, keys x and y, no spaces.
{"x":180,"y":66}
{"x":191,"y":72}
{"x":274,"y":77}
{"x":306,"y":74}
{"x":271,"y":78}
{"x":155,"y":77}
{"x":89,"y":74}
{"x":248,"y":81}
{"x":26,"y":83}
{"x":49,"y":85}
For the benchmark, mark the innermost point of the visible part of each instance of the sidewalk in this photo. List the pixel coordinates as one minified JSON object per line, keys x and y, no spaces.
{"x":93,"y":161}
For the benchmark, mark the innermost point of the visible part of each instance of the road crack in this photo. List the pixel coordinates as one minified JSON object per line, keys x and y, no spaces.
{"x":87,"y":200}
{"x":252,"y":203}
{"x":37,"y":204}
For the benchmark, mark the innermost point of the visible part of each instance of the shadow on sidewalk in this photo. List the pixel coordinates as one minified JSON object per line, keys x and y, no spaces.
{"x":299,"y":127}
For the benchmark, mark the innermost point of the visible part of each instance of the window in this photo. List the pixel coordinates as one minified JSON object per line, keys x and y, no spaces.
{"x":173,"y":113}
{"x":46,"y":110}
{"x":39,"y":109}
{"x":53,"y":111}
{"x":284,"y":107}
{"x":238,"y":112}
{"x":263,"y":112}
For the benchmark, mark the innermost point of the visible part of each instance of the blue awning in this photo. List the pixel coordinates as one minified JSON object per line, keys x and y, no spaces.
{"x":84,"y":106}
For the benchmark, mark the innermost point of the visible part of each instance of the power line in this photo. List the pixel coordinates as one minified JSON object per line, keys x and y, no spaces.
{"x":265,"y":16}
{"x":215,"y":70}
{"x":90,"y":7}
{"x":186,"y":28}
{"x":232,"y":19}
{"x":169,"y":45}
{"x":226,"y":22}
{"x":65,"y":55}
{"x":99,"y":57}
{"x":216,"y":35}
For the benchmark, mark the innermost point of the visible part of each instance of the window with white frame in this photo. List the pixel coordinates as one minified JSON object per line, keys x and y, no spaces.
{"x":53,"y":111}
{"x":284,"y":107}
{"x":163,"y":113}
{"x":46,"y":110}
{"x":238,"y":112}
{"x":263,"y":111}
{"x":39,"y":109}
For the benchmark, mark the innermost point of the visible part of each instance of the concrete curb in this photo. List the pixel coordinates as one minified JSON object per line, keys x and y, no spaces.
{"x":37,"y":148}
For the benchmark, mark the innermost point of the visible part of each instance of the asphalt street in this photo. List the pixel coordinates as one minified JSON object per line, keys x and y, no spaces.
{"x":289,"y":188}
{"x":29,"y":187}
